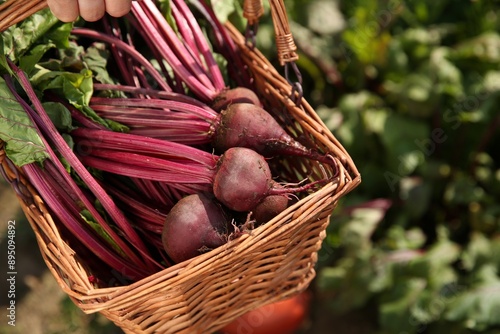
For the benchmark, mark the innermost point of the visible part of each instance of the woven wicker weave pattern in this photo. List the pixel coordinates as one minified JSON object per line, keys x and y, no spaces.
{"x":252,"y":10}
{"x":201,"y":295}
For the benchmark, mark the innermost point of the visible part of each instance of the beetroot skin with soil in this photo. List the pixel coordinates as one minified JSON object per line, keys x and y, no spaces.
{"x":196,"y":224}
{"x":243,"y":179}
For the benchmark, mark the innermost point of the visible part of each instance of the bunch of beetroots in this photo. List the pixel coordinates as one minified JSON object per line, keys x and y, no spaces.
{"x":216,"y":189}
{"x":192,"y":170}
{"x":210,"y":147}
{"x":196,"y":153}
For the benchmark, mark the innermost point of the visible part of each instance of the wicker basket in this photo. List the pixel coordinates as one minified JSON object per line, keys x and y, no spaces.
{"x":274,"y":261}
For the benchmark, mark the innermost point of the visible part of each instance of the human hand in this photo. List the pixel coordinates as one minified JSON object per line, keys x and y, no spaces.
{"x":89,"y":10}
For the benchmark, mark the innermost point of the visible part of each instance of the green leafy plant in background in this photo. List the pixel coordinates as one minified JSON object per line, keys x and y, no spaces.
{"x":411,"y":88}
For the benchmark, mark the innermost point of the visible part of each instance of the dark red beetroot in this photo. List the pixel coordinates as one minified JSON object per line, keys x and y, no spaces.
{"x":269,"y":208}
{"x":248,"y":125}
{"x":242,"y":180}
{"x":196,"y":224}
{"x":235,"y":95}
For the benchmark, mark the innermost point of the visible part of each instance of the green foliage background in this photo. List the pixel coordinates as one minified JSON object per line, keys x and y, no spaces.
{"x":411,"y":89}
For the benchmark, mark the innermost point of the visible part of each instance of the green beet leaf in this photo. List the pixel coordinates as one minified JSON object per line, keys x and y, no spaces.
{"x":59,"y":115}
{"x":87,"y":216}
{"x":27,"y":42}
{"x":23,"y":144}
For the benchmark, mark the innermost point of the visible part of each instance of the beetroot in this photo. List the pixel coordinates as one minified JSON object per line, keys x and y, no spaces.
{"x":270,"y":207}
{"x":231,"y":96}
{"x":242,"y":180}
{"x":196,"y":224}
{"x":248,"y":125}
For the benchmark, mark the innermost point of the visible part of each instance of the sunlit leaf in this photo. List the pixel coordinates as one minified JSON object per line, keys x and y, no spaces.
{"x":479,"y":307}
{"x":324,"y":17}
{"x":23,"y":143}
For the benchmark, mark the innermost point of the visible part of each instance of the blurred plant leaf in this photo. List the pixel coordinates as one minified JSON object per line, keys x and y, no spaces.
{"x":348,"y":282}
{"x":435,"y":264}
{"x":484,"y":49}
{"x":477,"y":253}
{"x":225,"y":8}
{"x":415,"y":94}
{"x":394,"y":314}
{"x":324,"y":17}
{"x":417,"y":110}
{"x":356,"y":234}
{"x":399,"y":238}
{"x":463,"y":190}
{"x":416,"y":194}
{"x":479,"y":307}
{"x":399,"y":137}
{"x":448,"y":76}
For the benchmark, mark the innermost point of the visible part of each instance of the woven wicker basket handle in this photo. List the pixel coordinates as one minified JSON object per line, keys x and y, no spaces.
{"x":252,"y":11}
{"x":285,"y":44}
